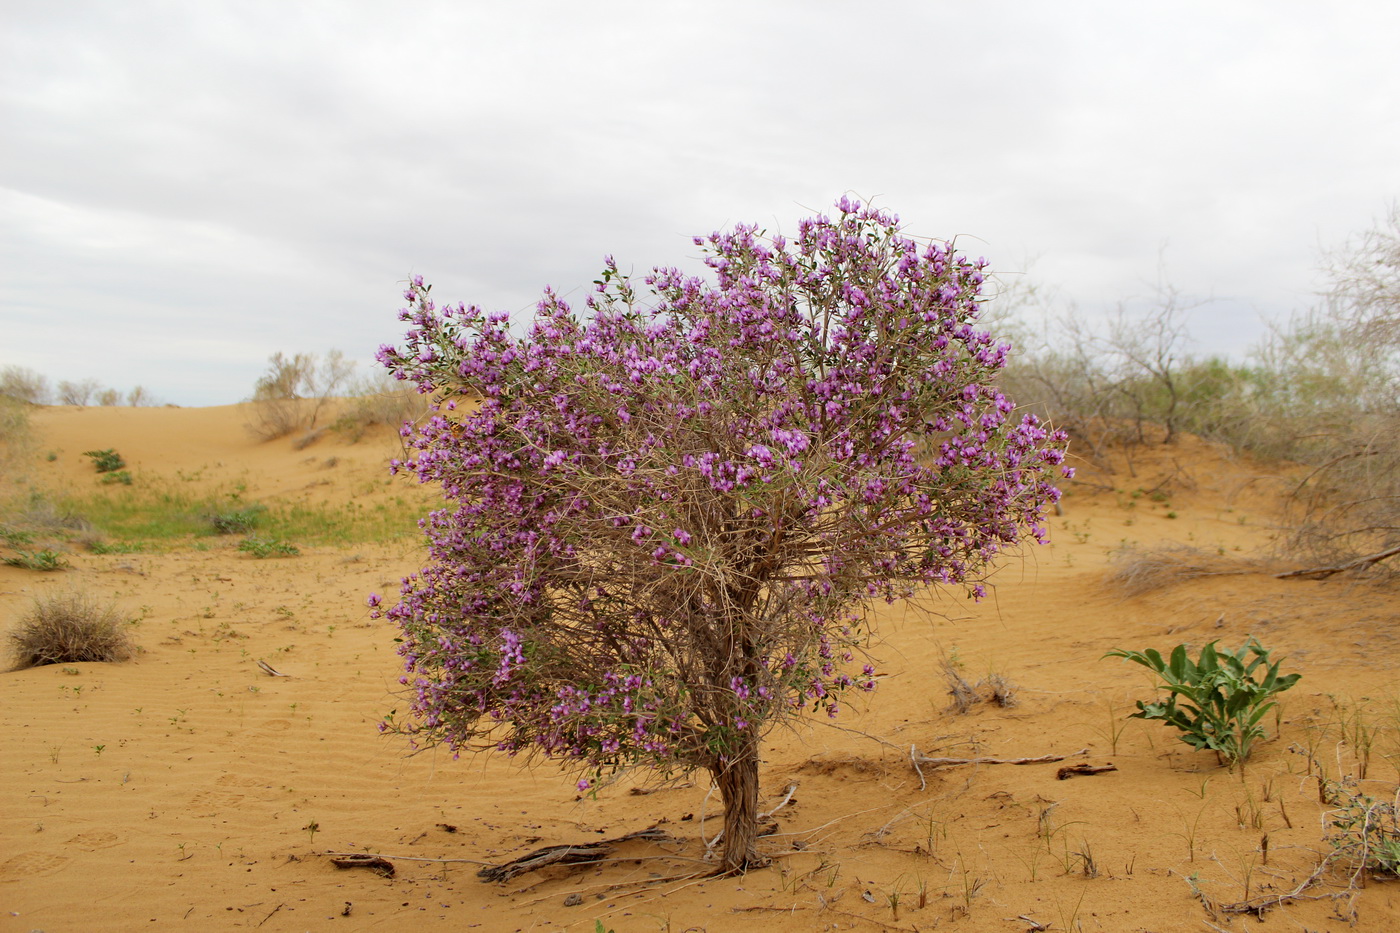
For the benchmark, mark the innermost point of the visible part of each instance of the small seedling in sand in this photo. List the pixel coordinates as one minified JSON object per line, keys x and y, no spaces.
{"x":1225,"y":694}
{"x":311,"y":829}
{"x":98,"y":749}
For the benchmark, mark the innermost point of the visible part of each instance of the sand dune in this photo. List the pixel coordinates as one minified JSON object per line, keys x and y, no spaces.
{"x":189,"y":789}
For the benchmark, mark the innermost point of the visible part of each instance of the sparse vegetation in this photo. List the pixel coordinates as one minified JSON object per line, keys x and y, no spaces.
{"x":237,"y":521}
{"x":1141,"y":569}
{"x":267,"y":547}
{"x":1323,"y":391}
{"x":45,"y":560}
{"x":69,"y":628}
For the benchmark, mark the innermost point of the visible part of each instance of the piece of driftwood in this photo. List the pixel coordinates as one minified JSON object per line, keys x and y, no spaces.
{"x":938,"y":762}
{"x":1339,"y":568}
{"x":1069,"y":771}
{"x":563,"y":855}
{"x":270,"y":670}
{"x":375,"y":863}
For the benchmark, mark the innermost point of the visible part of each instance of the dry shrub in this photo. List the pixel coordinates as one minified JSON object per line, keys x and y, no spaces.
{"x":294,"y":391}
{"x":379,"y":400}
{"x":1139,"y":570}
{"x":68,"y":628}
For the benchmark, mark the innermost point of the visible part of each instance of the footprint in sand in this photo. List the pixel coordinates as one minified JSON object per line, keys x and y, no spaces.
{"x":211,"y":801}
{"x":94,"y":840}
{"x":31,"y":865}
{"x":236,"y":780}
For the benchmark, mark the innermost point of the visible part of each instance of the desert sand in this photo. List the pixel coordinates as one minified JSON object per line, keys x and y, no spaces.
{"x":190,"y":789}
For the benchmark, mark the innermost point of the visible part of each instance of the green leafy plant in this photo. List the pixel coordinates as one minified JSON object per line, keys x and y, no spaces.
{"x":47,"y":559}
{"x":268,"y":547}
{"x":1223,"y":695}
{"x":106,"y":461}
{"x":120,"y":476}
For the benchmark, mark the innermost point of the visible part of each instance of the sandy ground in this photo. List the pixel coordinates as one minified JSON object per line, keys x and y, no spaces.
{"x":188,"y":789}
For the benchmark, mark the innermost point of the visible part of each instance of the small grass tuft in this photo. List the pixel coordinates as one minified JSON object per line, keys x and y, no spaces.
{"x":68,"y":628}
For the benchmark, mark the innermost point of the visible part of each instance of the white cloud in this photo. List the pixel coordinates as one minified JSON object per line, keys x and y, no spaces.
{"x":187,"y":188}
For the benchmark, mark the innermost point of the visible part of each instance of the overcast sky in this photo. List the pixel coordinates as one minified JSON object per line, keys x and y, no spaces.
{"x":187,"y":187}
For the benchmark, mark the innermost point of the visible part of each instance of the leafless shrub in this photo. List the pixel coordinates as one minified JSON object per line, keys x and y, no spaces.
{"x":1139,"y":570}
{"x":1340,"y":381}
{"x":295,"y":391}
{"x":70,"y":628}
{"x":139,"y":396}
{"x":78,"y":393}
{"x":1112,"y":388}
{"x":25,"y":385}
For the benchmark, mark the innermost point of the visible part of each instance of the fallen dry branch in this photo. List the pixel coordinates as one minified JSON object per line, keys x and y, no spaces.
{"x":1339,"y":568}
{"x":375,"y":863}
{"x":1257,"y":906}
{"x":1069,"y":771}
{"x":563,"y":855}
{"x":939,"y":762}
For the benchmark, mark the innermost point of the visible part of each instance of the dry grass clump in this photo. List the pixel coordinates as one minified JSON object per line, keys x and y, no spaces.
{"x":994,"y":688}
{"x":70,"y":627}
{"x":1139,"y":569}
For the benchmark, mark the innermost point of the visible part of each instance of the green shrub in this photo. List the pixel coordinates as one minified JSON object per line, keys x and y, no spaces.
{"x":237,"y":521}
{"x":1223,"y":701}
{"x":68,"y":628}
{"x":106,"y":461}
{"x":268,"y":547}
{"x":121,"y":477}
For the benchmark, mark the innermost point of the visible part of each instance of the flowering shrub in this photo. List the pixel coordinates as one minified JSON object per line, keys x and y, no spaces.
{"x":666,"y":514}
